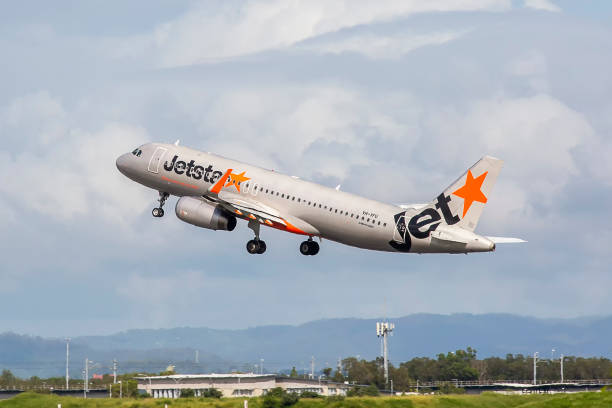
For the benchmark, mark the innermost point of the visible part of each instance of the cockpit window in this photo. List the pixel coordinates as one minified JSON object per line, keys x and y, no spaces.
{"x":137,"y":152}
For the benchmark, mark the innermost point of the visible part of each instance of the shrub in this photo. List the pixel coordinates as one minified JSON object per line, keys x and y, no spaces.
{"x":212,"y":393}
{"x":310,"y":394}
{"x":371,"y":391}
{"x":187,"y":393}
{"x":450,"y":389}
{"x":278,"y":398}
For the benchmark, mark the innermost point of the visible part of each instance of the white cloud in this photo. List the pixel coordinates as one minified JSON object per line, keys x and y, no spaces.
{"x":33,"y":119}
{"x":535,"y":135}
{"x":206,"y":33}
{"x":546,"y":5}
{"x":379,"y":46}
{"x":292,"y":128}
{"x":70,"y":173}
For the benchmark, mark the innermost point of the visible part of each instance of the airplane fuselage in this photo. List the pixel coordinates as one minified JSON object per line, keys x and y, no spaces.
{"x":305,"y":207}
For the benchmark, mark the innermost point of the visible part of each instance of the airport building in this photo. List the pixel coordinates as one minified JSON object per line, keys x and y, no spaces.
{"x":235,"y":385}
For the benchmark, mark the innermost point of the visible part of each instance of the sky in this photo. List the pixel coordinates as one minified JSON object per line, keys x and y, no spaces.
{"x":391,"y":99}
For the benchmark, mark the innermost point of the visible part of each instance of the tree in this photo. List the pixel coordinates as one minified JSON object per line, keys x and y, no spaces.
{"x":338,"y":377}
{"x":7,"y":378}
{"x":187,"y":393}
{"x":293,"y":373}
{"x":327,"y":372}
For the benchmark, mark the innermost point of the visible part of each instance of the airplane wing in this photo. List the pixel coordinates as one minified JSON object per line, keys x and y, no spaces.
{"x":251,"y":209}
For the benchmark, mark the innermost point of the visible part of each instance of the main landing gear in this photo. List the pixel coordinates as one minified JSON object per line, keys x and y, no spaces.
{"x":309,"y":247}
{"x":255,"y":246}
{"x":159,"y":211}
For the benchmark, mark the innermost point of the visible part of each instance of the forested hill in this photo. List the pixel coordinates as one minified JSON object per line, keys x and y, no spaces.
{"x":327,"y":340}
{"x":414,"y":335}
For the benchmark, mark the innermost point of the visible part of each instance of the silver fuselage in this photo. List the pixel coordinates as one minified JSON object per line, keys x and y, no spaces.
{"x":334,"y":215}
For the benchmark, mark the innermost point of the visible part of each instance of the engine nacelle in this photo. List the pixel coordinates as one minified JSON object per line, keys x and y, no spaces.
{"x":202,"y":214}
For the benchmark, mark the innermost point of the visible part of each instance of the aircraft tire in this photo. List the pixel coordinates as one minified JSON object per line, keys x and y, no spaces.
{"x":252,"y":247}
{"x":305,"y":248}
{"x":262,"y":247}
{"x":157,"y":212}
{"x":314,"y":248}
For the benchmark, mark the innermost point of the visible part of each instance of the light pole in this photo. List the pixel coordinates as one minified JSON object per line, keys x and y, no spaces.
{"x":561,"y":368}
{"x":535,"y":367}
{"x":86,"y":376}
{"x":120,"y":389}
{"x":67,"y":362}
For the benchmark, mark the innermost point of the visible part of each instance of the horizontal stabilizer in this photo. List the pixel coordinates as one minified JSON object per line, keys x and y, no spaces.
{"x":506,"y":240}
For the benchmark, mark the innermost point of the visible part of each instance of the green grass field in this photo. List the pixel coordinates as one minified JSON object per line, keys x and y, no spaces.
{"x":487,"y":400}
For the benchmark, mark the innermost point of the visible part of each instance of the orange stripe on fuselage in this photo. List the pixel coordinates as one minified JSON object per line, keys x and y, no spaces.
{"x":179,"y":182}
{"x":219,"y":184}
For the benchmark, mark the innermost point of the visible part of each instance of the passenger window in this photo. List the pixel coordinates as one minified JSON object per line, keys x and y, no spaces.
{"x":254,"y":190}
{"x":283,"y":195}
{"x":384,"y":224}
{"x":336,"y":211}
{"x":292,"y":198}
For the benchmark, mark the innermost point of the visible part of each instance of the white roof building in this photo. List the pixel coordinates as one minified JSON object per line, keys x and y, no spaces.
{"x":234,"y":385}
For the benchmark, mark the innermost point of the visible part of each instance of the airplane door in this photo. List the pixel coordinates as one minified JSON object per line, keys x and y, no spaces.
{"x":156,"y":159}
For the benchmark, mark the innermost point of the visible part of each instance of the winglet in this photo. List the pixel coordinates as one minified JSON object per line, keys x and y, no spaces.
{"x":219,"y":184}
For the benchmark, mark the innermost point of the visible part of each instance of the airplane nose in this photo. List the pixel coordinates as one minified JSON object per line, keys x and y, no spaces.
{"x":123,"y":163}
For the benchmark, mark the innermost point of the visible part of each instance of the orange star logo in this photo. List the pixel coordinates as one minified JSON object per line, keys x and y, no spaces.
{"x":236,"y":180}
{"x":471,"y":192}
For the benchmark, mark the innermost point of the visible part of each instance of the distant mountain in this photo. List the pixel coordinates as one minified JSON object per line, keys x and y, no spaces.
{"x":327,"y":340}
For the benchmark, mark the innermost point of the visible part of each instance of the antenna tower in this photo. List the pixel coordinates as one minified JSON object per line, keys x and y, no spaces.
{"x":384,"y":329}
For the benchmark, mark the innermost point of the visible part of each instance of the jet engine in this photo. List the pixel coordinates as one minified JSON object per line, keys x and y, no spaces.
{"x":202,"y":214}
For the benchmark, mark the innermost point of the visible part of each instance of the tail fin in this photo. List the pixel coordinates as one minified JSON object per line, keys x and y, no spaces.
{"x":463,"y":201}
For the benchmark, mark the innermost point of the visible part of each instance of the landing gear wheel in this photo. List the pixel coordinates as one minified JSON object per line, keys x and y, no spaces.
{"x":262,"y":247}
{"x":309,"y":248}
{"x":253,"y":247}
{"x":314,"y":248}
{"x":159,"y":211}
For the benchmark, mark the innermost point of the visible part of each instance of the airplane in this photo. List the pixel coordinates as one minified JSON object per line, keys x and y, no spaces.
{"x":216,"y":191}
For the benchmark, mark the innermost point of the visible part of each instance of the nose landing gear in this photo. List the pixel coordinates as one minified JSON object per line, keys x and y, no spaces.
{"x":159,"y":211}
{"x":309,"y":247}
